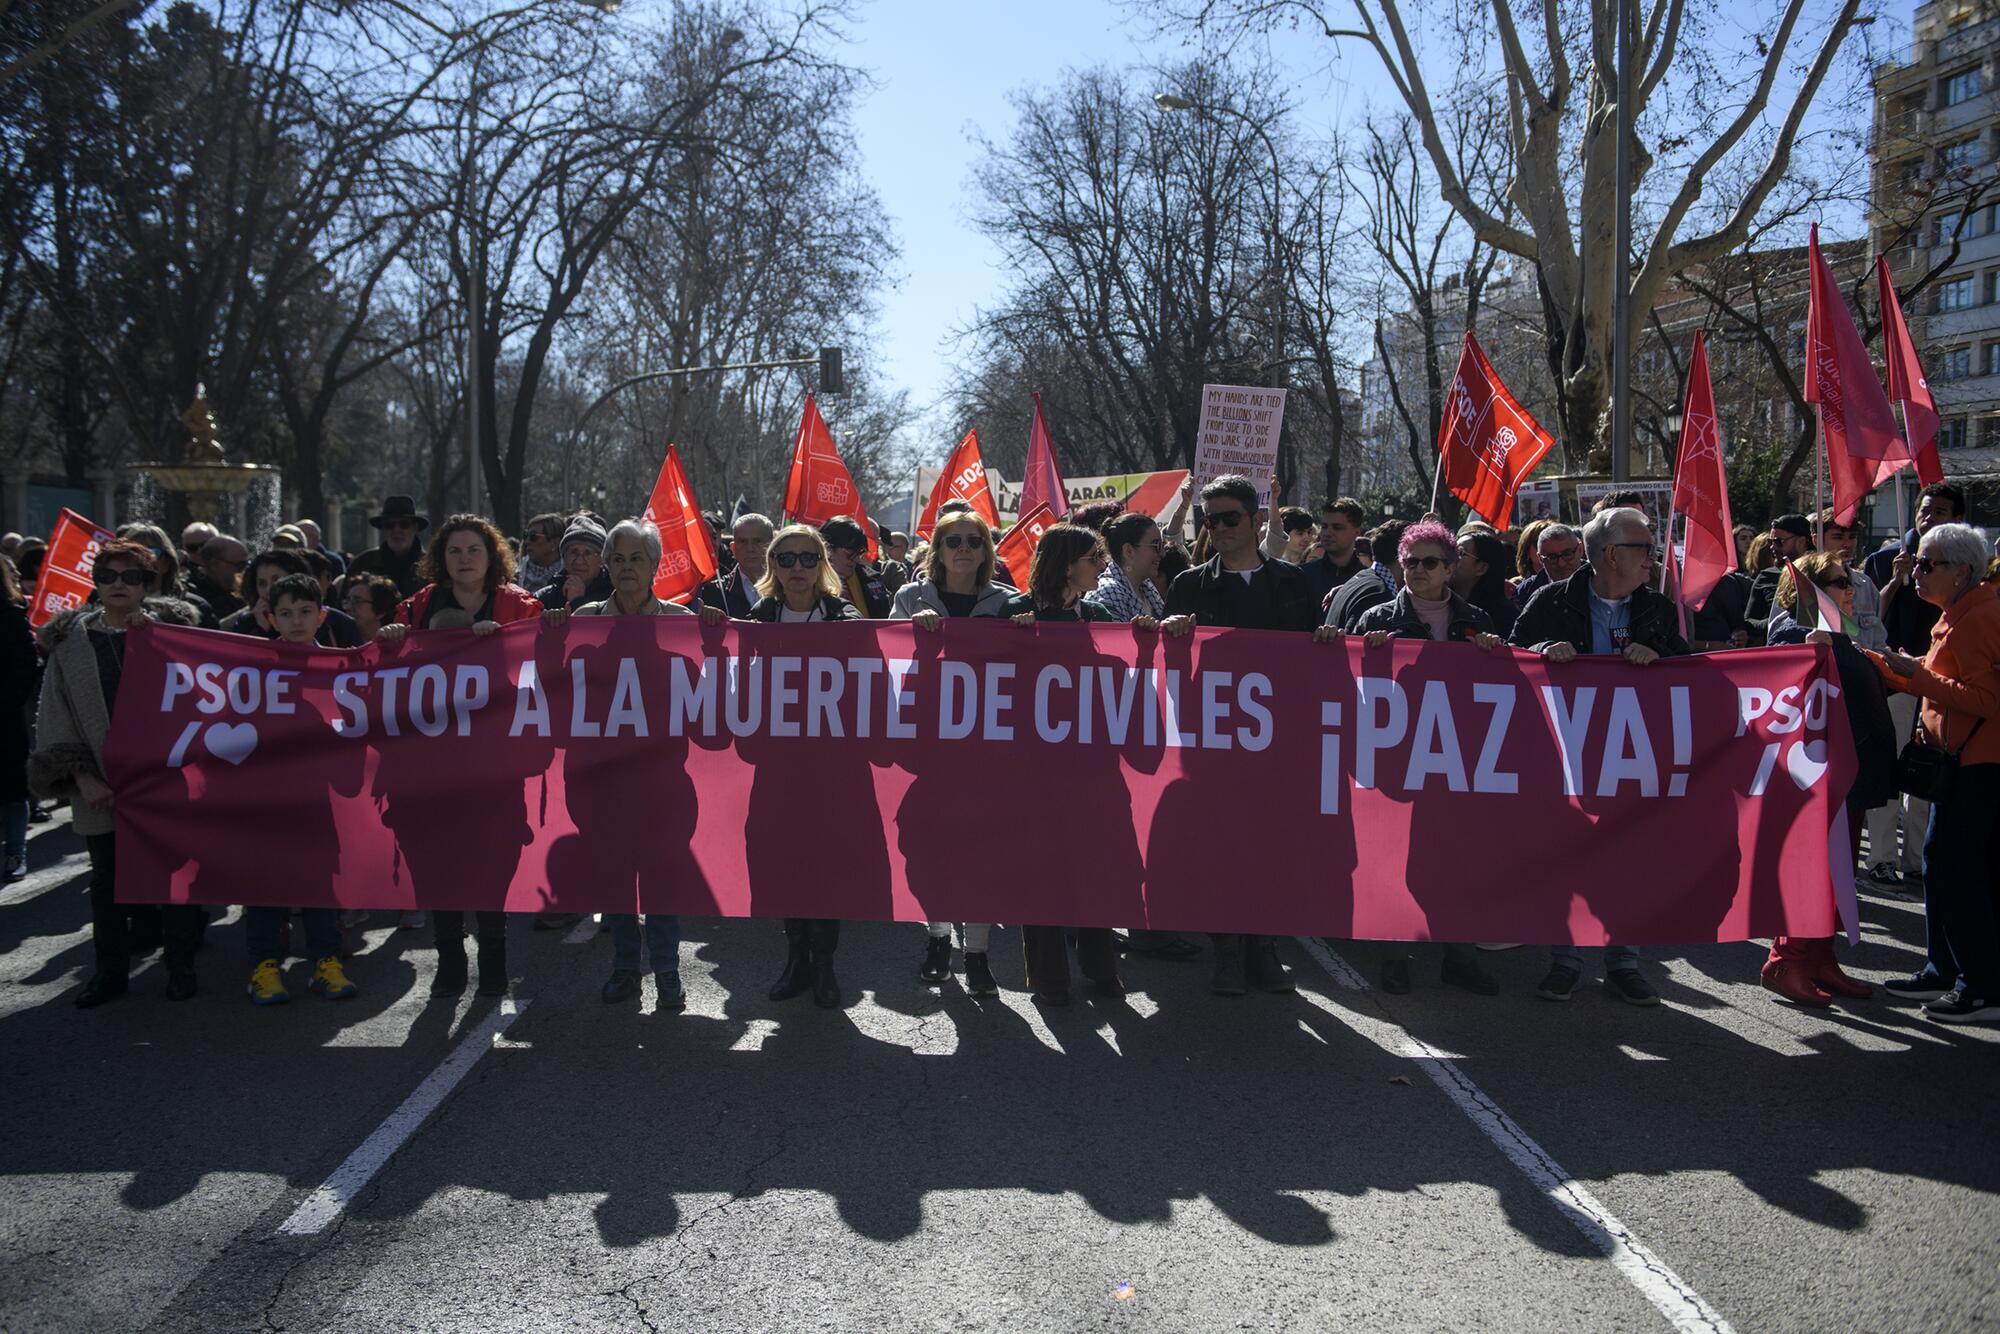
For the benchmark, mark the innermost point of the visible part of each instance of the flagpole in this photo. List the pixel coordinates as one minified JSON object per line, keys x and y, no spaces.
{"x":1819,"y":478}
{"x":1437,"y":480}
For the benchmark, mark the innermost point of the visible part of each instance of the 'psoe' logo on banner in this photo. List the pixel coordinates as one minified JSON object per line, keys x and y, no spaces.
{"x":1792,"y":723}
{"x":835,"y":491}
{"x":675,"y":562}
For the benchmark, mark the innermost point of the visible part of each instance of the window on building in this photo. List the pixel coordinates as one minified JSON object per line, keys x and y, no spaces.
{"x":1954,"y":363}
{"x":1963,"y":154}
{"x":1963,"y":86}
{"x":1951,"y":433}
{"x":1992,"y":288}
{"x":1946,"y":224}
{"x":1956,"y":294}
{"x":1989,"y":359}
{"x":1989,"y":432}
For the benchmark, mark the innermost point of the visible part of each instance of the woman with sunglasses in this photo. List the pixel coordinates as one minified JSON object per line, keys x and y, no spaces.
{"x":957,"y":582}
{"x":799,"y":586}
{"x":1802,"y":969}
{"x":1959,"y":684}
{"x":86,"y":663}
{"x":1428,"y":608}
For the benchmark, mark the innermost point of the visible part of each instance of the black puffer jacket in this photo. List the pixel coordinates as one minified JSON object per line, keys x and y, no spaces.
{"x":1400,"y":618}
{"x":1867,"y":701}
{"x":1560,"y":614}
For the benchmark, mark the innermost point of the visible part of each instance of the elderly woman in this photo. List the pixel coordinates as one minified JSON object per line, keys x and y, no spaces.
{"x":1958,"y":683}
{"x":80,"y":695}
{"x":1802,"y":969}
{"x":1069,"y":562}
{"x":630,"y":556}
{"x":371,"y":601}
{"x":800,"y":586}
{"x":958,"y":582}
{"x":1428,"y":607}
{"x":468,"y":572}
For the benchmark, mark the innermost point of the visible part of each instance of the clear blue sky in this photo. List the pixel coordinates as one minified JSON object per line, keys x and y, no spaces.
{"x":944,"y":71}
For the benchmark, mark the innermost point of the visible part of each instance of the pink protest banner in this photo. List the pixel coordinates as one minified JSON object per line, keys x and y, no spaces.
{"x":1233,"y":780}
{"x":65,"y":582}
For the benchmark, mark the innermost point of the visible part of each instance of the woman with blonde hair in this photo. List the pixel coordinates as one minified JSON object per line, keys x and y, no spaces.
{"x":958,"y":583}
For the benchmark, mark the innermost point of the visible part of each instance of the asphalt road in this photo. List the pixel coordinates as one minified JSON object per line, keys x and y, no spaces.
{"x":1335,"y":1159}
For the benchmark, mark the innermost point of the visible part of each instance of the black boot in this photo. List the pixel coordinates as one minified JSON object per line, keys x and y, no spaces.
{"x":492,"y":968}
{"x":451,"y":973}
{"x":104,"y":985}
{"x":1262,"y":967}
{"x":1229,"y":979}
{"x":797,"y":977}
{"x":825,"y":987}
{"x":937,"y":960}
{"x":181,"y":983}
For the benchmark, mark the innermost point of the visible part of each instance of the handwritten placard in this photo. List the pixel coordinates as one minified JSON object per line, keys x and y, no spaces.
{"x":1239,"y":434}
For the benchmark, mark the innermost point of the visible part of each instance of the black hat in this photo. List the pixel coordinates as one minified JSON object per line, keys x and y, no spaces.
{"x":1795,"y":524}
{"x":399,"y":507}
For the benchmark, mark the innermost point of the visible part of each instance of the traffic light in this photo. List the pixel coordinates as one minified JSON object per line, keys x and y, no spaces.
{"x":830,"y":381}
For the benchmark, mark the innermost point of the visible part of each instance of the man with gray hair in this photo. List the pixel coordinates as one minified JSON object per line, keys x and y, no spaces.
{"x":735,"y":591}
{"x":1607,"y":607}
{"x":1559,"y":547}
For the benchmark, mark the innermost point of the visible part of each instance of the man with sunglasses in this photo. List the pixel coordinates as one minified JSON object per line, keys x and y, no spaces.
{"x":846,"y":545}
{"x":219,"y":574}
{"x":541,"y":552}
{"x":1240,"y":588}
{"x":401,"y":553}
{"x":1607,"y":607}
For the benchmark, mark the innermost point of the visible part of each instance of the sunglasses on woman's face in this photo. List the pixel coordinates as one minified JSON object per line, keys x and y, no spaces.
{"x":960,"y":541}
{"x":1928,"y":564}
{"x":131,"y":578}
{"x":1842,"y":582}
{"x":804,"y":560}
{"x":1223,"y":518}
{"x":1422,"y":562}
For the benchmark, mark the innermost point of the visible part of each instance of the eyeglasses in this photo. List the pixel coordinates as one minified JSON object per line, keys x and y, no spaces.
{"x":804,"y":560}
{"x":1842,"y":582}
{"x":960,"y":541}
{"x":1561,"y":557}
{"x":1213,"y":519}
{"x":1422,"y":562}
{"x":1646,"y":547}
{"x":130,"y":578}
{"x":1927,"y":564}
{"x":232,"y":564}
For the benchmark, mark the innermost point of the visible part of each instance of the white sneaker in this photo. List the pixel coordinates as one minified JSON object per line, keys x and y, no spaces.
{"x":17,"y":868}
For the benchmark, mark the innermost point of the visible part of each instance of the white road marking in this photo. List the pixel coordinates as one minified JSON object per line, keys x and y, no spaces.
{"x":583,"y":932}
{"x":754,"y":1033}
{"x":325,"y":1204}
{"x":1666,"y":1290}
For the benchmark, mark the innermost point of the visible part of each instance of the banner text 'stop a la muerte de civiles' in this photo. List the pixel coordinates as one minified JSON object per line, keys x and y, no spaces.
{"x":1065,"y":774}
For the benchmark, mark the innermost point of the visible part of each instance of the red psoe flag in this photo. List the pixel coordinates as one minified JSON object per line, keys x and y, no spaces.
{"x":687,"y":548}
{"x":819,"y":485}
{"x":1907,"y":381}
{"x":1701,"y":491}
{"x":963,"y":478}
{"x":1857,"y":425}
{"x":1488,"y":441}
{"x":1017,"y":550}
{"x":1043,"y":483}
{"x":65,"y":581}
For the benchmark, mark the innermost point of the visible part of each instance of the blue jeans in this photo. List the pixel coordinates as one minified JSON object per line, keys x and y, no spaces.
{"x":663,"y":941}
{"x":1961,"y":855}
{"x":14,"y":828}
{"x":261,"y":926}
{"x":1616,"y":957}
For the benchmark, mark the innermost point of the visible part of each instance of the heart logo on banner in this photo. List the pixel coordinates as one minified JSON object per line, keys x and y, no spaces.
{"x":1806,"y":762}
{"x":231,"y":741}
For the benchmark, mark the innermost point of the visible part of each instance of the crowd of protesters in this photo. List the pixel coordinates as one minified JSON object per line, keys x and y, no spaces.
{"x":1917,"y":652}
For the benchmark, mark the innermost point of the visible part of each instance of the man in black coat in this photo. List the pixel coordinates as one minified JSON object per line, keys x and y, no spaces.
{"x":1791,"y":538}
{"x":1607,"y":607}
{"x":401,"y":550}
{"x":1238,"y":587}
{"x":735,"y":590}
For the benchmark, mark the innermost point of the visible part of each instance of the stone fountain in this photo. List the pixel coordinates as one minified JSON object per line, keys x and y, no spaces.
{"x":243,"y":499}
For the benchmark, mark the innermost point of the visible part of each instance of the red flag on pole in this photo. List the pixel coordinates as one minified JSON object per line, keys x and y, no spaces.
{"x":1017,"y":550}
{"x":1487,"y":442}
{"x":1907,"y":382}
{"x":1043,"y":482}
{"x":963,"y":478}
{"x":819,"y":486}
{"x":687,"y":548}
{"x":65,"y":582}
{"x":1701,"y":491}
{"x":1857,"y":425}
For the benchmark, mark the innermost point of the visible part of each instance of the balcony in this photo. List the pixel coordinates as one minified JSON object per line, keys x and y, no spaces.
{"x":1898,"y":127}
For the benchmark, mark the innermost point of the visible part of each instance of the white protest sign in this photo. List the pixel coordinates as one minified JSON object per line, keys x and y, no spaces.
{"x":1239,"y":434}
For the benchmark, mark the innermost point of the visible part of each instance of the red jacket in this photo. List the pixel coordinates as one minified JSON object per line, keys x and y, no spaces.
{"x":510,"y":603}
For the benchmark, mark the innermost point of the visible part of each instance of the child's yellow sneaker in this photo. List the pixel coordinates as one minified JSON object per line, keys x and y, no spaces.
{"x":330,"y":979}
{"x":267,"y":987}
